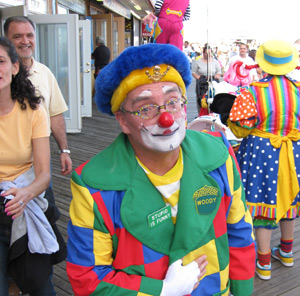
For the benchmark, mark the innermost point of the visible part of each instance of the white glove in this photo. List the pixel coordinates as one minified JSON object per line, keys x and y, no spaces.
{"x":180,"y":280}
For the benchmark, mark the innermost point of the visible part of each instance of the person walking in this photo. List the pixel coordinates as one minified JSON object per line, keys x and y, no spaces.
{"x":101,"y":55}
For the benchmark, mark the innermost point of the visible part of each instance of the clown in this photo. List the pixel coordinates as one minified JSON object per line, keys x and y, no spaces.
{"x":160,"y":211}
{"x":267,"y":116}
{"x":170,"y":15}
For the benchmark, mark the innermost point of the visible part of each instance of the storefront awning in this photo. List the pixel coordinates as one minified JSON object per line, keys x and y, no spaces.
{"x":127,"y":7}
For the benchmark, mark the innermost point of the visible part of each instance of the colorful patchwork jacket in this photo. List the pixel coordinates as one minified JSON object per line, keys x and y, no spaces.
{"x":121,"y":242}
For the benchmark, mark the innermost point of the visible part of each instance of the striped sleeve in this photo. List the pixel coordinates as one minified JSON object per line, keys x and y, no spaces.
{"x":157,"y":7}
{"x":187,"y":14}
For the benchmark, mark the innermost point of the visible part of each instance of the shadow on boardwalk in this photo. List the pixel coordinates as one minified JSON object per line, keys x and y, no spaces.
{"x":97,"y":133}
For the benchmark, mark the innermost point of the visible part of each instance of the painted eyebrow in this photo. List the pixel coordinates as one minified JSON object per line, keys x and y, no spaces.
{"x":145,"y":97}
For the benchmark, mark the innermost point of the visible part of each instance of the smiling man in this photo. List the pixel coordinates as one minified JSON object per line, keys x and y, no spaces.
{"x":161,"y":211}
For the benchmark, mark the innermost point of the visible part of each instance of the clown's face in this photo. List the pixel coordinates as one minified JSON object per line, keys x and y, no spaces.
{"x":164,"y":130}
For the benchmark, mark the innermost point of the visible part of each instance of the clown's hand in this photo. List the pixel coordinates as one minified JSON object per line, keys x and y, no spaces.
{"x":182,"y":280}
{"x":149,"y":19}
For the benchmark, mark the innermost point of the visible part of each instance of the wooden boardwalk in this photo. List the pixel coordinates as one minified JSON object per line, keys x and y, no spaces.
{"x":97,"y":133}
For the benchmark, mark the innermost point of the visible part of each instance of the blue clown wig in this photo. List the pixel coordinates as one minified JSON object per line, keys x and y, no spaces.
{"x":134,"y":58}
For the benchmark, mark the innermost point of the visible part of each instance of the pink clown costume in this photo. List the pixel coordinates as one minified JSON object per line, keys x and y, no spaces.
{"x":169,"y":26}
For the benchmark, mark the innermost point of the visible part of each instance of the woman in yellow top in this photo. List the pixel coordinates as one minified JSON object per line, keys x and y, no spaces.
{"x":24,"y":148}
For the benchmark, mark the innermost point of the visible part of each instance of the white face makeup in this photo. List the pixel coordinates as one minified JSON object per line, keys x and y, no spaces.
{"x":167,"y":88}
{"x":151,"y":134}
{"x":164,"y":139}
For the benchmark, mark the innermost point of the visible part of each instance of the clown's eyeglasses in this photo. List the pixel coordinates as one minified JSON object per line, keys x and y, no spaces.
{"x":151,"y":110}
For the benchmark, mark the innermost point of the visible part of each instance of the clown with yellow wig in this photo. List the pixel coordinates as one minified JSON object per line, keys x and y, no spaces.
{"x":162,"y":210}
{"x":267,"y":116}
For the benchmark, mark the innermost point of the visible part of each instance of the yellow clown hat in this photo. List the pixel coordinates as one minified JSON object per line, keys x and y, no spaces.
{"x":277,"y":57}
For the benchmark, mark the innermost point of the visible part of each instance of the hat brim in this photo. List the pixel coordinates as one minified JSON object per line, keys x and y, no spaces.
{"x":274,"y":69}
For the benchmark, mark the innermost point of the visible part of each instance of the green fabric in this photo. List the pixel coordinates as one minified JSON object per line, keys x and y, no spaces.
{"x":135,"y":269}
{"x":222,"y":245}
{"x":117,"y":162}
{"x":77,"y":179}
{"x":241,"y":288}
{"x":151,"y":286}
{"x":115,"y":240}
{"x":99,"y":223}
{"x":142,"y":198}
{"x":264,"y":223}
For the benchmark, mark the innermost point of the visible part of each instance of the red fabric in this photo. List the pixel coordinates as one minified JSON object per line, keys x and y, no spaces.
{"x":79,"y":169}
{"x":105,"y":214}
{"x":83,"y":274}
{"x":158,"y":269}
{"x":244,"y":110}
{"x":242,"y":262}
{"x":123,"y":280}
{"x":264,"y":259}
{"x":123,"y":257}
{"x":203,"y":111}
{"x":220,"y":225}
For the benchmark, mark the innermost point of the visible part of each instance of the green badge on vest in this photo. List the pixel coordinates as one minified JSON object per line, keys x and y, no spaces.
{"x":206,"y":199}
{"x":159,"y":216}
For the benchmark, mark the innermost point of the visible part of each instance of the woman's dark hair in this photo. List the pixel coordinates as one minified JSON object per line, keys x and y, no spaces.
{"x":205,"y":48}
{"x":21,"y":87}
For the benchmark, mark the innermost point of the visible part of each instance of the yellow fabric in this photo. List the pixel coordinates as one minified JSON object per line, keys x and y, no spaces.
{"x":238,"y":206}
{"x":80,"y":211}
{"x":287,"y":185}
{"x":103,"y":248}
{"x":157,"y":31}
{"x":239,"y":132}
{"x":224,"y":280}
{"x":249,"y":220}
{"x":230,"y":176}
{"x":17,"y":130}
{"x":210,"y":250}
{"x":139,"y":77}
{"x":204,"y":103}
{"x":169,"y":184}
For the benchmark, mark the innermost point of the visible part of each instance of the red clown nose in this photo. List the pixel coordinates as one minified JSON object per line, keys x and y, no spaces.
{"x":166,"y":119}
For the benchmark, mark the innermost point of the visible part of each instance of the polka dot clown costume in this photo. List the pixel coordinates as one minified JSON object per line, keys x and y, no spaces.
{"x":267,"y":116}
